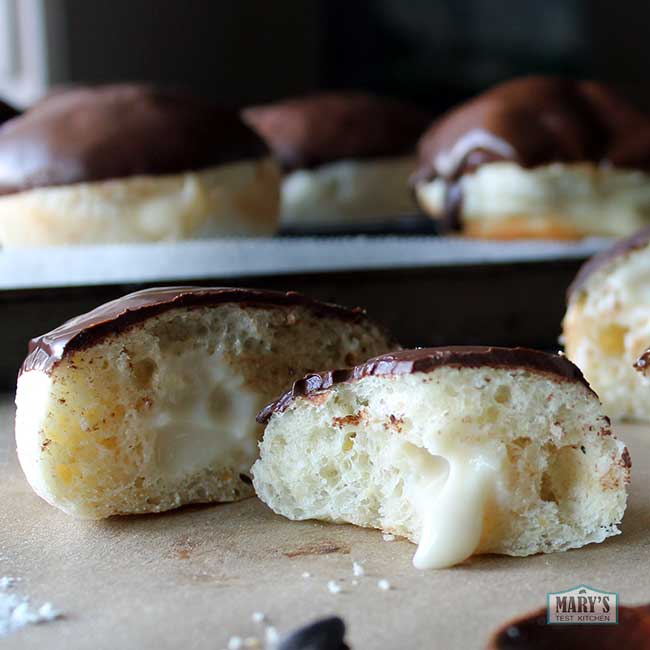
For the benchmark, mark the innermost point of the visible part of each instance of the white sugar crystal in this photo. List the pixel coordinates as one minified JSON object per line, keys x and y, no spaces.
{"x":388,"y":537}
{"x":334,"y":587}
{"x":259,"y":617}
{"x":271,"y":636}
{"x":306,"y":574}
{"x":16,"y":612}
{"x":358,"y":570}
{"x":235,"y":643}
{"x":383,"y":584}
{"x":252,"y":642}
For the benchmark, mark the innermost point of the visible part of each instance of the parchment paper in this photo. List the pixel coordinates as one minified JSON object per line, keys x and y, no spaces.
{"x":190,"y":579}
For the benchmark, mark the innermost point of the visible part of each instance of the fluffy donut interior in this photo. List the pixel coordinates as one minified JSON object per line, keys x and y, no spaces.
{"x":233,"y":199}
{"x":163,"y":413}
{"x":461,"y":461}
{"x":504,"y":200}
{"x":348,"y":190}
{"x":607,"y":327}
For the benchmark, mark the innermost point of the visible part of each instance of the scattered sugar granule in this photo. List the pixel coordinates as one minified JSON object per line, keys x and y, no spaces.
{"x":358,"y":570}
{"x":306,"y":574}
{"x":16,"y":613}
{"x":355,"y":583}
{"x":271,"y":636}
{"x":259,"y":617}
{"x":252,"y":642}
{"x":388,"y":537}
{"x":235,"y":643}
{"x":334,"y":587}
{"x":383,"y":584}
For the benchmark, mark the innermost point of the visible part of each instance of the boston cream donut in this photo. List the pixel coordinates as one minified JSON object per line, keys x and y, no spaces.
{"x":148,"y":402}
{"x":347,"y":156}
{"x":607,"y":325}
{"x":462,"y":450}
{"x":130,"y":163}
{"x":538,"y":157}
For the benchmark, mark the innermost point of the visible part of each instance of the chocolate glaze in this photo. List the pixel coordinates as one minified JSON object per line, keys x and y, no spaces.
{"x":531,"y":632}
{"x":47,"y":350}
{"x":407,"y":362}
{"x":602,"y":259}
{"x":535,"y":121}
{"x":306,"y":132}
{"x":117,"y":131}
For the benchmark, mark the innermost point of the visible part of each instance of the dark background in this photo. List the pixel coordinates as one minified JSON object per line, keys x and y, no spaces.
{"x":433,"y":51}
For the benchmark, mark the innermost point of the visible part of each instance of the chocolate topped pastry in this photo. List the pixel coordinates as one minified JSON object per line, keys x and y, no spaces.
{"x":462,"y":450}
{"x":346,"y":154}
{"x":95,"y":134}
{"x":405,"y":362}
{"x":532,"y":632}
{"x":605,"y":328}
{"x":148,"y":402}
{"x":132,"y":162}
{"x":538,"y":157}
{"x":106,"y":320}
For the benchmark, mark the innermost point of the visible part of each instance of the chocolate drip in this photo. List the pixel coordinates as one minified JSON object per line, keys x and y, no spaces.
{"x":406,"y":362}
{"x":453,"y":207}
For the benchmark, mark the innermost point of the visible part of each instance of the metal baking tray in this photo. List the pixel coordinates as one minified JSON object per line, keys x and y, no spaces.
{"x":429,"y":290}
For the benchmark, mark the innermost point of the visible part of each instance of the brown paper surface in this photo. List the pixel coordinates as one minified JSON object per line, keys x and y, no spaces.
{"x":190,"y":579}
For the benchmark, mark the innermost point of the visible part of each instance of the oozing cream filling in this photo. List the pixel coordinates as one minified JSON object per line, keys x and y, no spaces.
{"x":207,"y":417}
{"x":449,"y":494}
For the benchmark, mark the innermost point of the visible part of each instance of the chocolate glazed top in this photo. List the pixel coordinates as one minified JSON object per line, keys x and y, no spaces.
{"x":622,"y":247}
{"x":93,"y":134}
{"x":407,"y":362}
{"x":534,"y":121}
{"x":533,"y":633}
{"x":47,"y":350}
{"x":309,"y":131}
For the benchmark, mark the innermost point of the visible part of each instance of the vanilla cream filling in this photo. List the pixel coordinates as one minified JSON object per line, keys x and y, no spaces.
{"x":207,"y":417}
{"x":596,"y":200}
{"x":449,"y":492}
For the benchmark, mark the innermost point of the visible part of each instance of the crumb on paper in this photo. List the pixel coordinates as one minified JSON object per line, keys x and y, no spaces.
{"x":259,"y":617}
{"x":271,"y":636}
{"x":388,"y":537}
{"x":355,"y":583}
{"x":306,"y":574}
{"x":383,"y":584}
{"x":235,"y":643}
{"x":16,"y":611}
{"x":334,"y":587}
{"x":358,"y":570}
{"x":252,"y":642}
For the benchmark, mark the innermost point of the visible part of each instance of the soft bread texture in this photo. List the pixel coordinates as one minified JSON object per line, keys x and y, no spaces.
{"x":234,"y":199}
{"x":162,"y":413}
{"x":607,"y":327}
{"x":502,"y":200}
{"x":348,"y":191}
{"x":462,"y":460}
